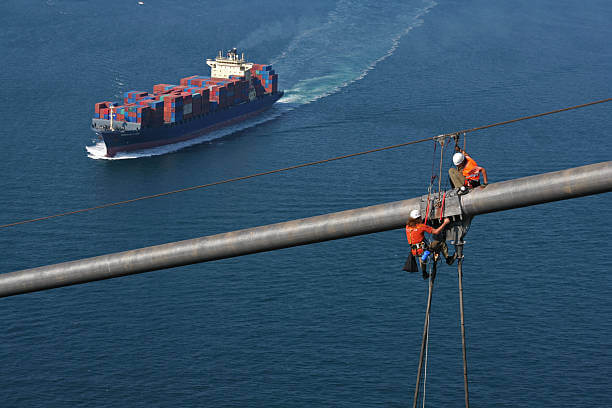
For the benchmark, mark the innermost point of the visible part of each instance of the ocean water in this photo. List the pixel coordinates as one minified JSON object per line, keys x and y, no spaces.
{"x":334,"y":324}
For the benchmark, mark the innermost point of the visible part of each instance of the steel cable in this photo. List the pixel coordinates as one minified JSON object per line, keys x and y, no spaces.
{"x":265,"y":173}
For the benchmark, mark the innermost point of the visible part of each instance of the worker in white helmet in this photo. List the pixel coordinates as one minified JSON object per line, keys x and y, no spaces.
{"x":467,"y":173}
{"x":415,"y":233}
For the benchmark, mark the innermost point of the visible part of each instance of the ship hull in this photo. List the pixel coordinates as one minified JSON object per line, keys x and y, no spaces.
{"x":146,"y":138}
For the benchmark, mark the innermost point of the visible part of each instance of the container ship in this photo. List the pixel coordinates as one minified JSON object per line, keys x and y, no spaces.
{"x":235,"y":91}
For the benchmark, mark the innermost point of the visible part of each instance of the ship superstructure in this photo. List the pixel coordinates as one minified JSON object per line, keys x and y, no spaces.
{"x":232,"y":64}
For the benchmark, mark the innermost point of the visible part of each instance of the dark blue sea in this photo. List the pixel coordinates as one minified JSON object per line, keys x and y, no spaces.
{"x":336,"y":324}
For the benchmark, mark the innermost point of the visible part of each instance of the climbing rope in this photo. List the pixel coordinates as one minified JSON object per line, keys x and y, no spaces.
{"x":433,"y":162}
{"x":442,"y":206}
{"x":380,"y":149}
{"x":447,"y":184}
{"x":459,"y":249}
{"x":441,"y":164}
{"x":425,"y":341}
{"x":425,"y":364}
{"x":431,"y":182}
{"x":439,"y":202}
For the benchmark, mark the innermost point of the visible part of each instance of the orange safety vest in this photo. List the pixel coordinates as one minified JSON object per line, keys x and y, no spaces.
{"x":416,"y":235}
{"x":471,"y":171}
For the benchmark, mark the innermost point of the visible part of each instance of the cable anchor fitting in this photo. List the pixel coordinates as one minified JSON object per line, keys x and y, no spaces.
{"x":441,"y":139}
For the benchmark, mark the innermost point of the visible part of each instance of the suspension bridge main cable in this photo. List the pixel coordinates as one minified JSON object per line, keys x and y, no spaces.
{"x":314,"y":163}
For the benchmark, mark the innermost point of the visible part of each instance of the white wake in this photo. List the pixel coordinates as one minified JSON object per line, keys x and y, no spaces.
{"x":321,"y":60}
{"x":98,"y":150}
{"x":356,"y":37}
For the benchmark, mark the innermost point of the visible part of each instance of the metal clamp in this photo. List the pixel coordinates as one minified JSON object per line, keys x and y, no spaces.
{"x":441,"y":139}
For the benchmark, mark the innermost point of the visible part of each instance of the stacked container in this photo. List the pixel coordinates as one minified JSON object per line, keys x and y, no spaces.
{"x":173,"y":108}
{"x":218,"y":96}
{"x":194,"y":80}
{"x":104,"y":113}
{"x":241,"y":89}
{"x":162,"y":88}
{"x":205,"y":100}
{"x":101,"y":108}
{"x":264,"y":79}
{"x":196,"y":104}
{"x":157,"y":113}
{"x":196,"y":95}
{"x":133,"y":96}
{"x":119,"y":114}
{"x":187,"y":105}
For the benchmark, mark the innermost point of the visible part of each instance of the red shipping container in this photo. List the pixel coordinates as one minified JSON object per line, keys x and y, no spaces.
{"x":186,"y":79}
{"x":102,"y":105}
{"x":160,"y":87}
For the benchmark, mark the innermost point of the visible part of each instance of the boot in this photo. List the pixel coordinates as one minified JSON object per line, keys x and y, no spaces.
{"x":425,"y":274}
{"x":444,"y":250}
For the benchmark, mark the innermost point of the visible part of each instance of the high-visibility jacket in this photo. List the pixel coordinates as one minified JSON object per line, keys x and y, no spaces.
{"x":416,"y":236}
{"x":471,"y":171}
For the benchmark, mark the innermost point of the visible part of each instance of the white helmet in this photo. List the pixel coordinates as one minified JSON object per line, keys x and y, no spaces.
{"x":458,"y":158}
{"x":414,"y":214}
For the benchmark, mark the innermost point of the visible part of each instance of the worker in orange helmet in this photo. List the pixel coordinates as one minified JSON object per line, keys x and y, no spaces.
{"x":415,"y":233}
{"x":467,"y":173}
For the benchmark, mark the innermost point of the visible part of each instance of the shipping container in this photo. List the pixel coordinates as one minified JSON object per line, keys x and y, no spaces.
{"x":194,"y":98}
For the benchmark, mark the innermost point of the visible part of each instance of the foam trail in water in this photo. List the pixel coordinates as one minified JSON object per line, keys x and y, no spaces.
{"x":321,"y":60}
{"x":355,"y":38}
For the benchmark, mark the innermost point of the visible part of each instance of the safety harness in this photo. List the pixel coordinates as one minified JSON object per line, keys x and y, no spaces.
{"x":421,"y":245}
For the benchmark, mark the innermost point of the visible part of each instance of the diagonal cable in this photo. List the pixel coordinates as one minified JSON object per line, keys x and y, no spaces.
{"x":314,"y":163}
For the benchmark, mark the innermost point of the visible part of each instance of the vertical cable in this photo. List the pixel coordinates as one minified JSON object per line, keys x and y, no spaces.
{"x":459,"y":245}
{"x":425,"y":335}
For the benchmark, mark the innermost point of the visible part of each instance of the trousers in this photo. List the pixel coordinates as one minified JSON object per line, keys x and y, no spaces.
{"x":457,"y":178}
{"x":414,"y":260}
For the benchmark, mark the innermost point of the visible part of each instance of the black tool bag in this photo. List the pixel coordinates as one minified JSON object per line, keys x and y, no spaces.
{"x":411,"y":264}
